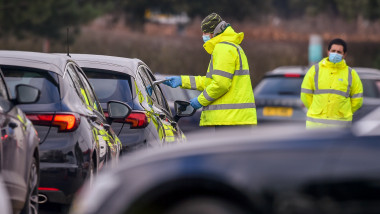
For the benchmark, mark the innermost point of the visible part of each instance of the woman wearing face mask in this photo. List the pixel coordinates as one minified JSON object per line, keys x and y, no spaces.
{"x":331,"y":90}
{"x":227,"y":96}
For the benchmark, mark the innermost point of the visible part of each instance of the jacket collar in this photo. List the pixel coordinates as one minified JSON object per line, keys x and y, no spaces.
{"x":340,"y":65}
{"x":229,"y":35}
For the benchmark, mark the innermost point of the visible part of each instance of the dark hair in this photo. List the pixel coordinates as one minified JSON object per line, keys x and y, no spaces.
{"x":338,"y":41}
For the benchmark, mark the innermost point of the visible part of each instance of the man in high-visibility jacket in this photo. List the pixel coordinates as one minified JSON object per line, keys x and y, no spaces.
{"x":227,"y":96}
{"x":331,"y":90}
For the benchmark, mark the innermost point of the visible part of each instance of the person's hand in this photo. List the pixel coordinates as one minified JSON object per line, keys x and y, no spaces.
{"x":173,"y":81}
{"x":149,"y":89}
{"x":195,"y":103}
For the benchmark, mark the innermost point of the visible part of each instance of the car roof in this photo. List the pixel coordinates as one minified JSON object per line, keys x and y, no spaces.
{"x":288,"y":70}
{"x":364,"y":72}
{"x":113,"y":63}
{"x":45,"y":61}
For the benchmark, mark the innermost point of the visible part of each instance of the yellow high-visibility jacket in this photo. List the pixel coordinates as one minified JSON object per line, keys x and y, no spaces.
{"x":227,"y":94}
{"x":332,"y":92}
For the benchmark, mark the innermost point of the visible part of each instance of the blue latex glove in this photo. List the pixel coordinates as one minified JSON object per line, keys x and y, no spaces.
{"x":195,"y":103}
{"x":173,"y":81}
{"x":149,"y":89}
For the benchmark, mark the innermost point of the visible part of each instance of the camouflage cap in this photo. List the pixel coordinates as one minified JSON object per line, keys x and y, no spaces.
{"x":210,"y":22}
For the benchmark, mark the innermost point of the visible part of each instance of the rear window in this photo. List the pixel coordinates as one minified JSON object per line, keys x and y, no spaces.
{"x":371,"y":88}
{"x":109,"y":85}
{"x":279,"y":86}
{"x":45,"y":81}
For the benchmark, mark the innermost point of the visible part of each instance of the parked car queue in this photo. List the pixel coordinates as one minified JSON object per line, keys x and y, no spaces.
{"x":73,"y":138}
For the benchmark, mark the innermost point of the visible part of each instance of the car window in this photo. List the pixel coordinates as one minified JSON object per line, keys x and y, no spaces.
{"x":279,"y":86}
{"x":110,"y":85}
{"x":3,"y":89}
{"x":44,"y":80}
{"x":371,"y":88}
{"x":157,"y":89}
{"x":77,"y":84}
{"x":146,"y":81}
{"x":90,"y":95}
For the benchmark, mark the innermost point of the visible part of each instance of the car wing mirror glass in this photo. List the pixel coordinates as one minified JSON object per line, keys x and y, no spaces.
{"x":118,"y":110}
{"x":27,"y":94}
{"x":183,"y":109}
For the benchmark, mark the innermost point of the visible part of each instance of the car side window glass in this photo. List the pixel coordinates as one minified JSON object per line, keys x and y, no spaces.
{"x":146,"y":82}
{"x":77,"y":83}
{"x":3,"y":89}
{"x":160,"y":97}
{"x":91,"y":96}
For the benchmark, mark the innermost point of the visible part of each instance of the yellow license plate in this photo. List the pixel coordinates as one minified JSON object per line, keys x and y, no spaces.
{"x":278,"y":111}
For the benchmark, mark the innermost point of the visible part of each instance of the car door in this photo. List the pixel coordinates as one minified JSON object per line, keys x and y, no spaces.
{"x":105,"y":133}
{"x":356,"y":176}
{"x":162,"y":116}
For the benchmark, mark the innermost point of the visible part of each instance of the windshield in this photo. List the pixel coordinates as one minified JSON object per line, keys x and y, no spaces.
{"x":371,"y":88}
{"x":109,"y":85}
{"x":280,"y":86}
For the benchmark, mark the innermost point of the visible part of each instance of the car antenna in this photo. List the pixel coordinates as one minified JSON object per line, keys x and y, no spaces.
{"x":67,"y":42}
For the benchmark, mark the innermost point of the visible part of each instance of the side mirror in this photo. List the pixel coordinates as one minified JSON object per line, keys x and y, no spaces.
{"x":118,"y":110}
{"x":183,"y":109}
{"x":27,"y":94}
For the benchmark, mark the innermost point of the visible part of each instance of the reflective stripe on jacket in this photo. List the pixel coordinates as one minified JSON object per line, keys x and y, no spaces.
{"x":227,"y":94}
{"x":332,"y":93}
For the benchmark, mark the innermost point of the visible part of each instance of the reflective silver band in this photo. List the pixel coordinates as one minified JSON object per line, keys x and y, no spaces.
{"x":330,"y":91}
{"x":193,"y":84}
{"x":332,"y":122}
{"x":307,"y":91}
{"x":222,"y":73}
{"x":207,"y":96}
{"x":242,"y":72}
{"x":349,"y":81}
{"x":229,"y":106}
{"x":316,"y":76}
{"x":357,"y":95}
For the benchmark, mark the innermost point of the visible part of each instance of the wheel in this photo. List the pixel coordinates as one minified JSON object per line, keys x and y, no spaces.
{"x":31,"y":203}
{"x":205,"y":205}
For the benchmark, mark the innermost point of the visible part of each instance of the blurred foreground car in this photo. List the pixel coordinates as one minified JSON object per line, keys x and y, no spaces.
{"x":19,"y":153}
{"x":75,"y":138}
{"x":187,"y":124}
{"x":247,"y":171}
{"x":5,"y":206}
{"x":151,"y":123}
{"x":277,"y":95}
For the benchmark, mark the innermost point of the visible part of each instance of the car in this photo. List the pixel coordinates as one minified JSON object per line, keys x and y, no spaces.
{"x":277,"y":96}
{"x":19,"y":148}
{"x":5,"y":205}
{"x":187,"y":124}
{"x":151,"y":123}
{"x":247,"y":170}
{"x":370,"y":78}
{"x":76,"y":140}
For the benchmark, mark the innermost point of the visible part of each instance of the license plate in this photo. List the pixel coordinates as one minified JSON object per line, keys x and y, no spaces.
{"x":278,"y":111}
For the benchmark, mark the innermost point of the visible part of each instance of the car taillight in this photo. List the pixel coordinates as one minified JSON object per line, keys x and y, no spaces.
{"x":137,"y":119}
{"x":292,"y":75}
{"x":66,"y":122}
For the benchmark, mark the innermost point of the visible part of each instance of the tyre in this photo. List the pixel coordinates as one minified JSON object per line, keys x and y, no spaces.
{"x":31,"y":202}
{"x":205,"y":205}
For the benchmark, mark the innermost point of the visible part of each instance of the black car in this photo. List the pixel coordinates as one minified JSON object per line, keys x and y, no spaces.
{"x":247,"y":171}
{"x":19,"y":152}
{"x":277,"y":96}
{"x":151,"y":123}
{"x":187,"y":124}
{"x":76,"y":140}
